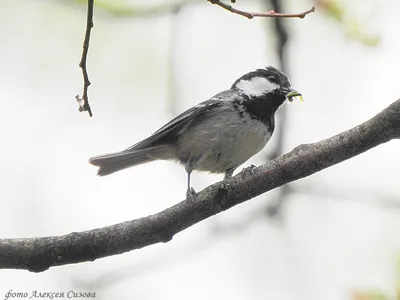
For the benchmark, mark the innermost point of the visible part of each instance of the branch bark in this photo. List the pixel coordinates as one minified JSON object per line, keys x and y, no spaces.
{"x":268,"y":14}
{"x":84,"y":101}
{"x":39,"y":254}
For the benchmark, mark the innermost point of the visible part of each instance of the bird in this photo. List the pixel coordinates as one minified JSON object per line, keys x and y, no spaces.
{"x":217,"y":135}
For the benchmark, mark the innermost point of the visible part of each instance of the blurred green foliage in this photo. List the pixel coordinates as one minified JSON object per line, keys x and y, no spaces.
{"x":334,"y":9}
{"x":378,"y":295}
{"x":352,"y":27}
{"x":124,"y":8}
{"x":370,"y":295}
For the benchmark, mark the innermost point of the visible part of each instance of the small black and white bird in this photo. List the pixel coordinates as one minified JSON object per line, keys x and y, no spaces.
{"x":217,"y":135}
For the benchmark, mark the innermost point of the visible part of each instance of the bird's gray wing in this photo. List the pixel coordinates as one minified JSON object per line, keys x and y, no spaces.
{"x":169,"y":131}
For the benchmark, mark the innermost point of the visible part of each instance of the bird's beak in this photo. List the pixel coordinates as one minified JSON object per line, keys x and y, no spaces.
{"x":292,"y":93}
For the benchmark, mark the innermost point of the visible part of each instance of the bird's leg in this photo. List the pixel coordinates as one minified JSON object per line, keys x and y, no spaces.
{"x":248,"y":171}
{"x":190,"y":192}
{"x":229,"y":173}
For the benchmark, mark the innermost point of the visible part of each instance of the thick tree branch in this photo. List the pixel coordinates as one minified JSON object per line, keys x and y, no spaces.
{"x":268,"y":14}
{"x":84,"y":101}
{"x":39,"y":254}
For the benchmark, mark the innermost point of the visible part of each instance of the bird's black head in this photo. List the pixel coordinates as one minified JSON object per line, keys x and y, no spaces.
{"x":263,"y":81}
{"x":268,"y":85}
{"x":263,"y":91}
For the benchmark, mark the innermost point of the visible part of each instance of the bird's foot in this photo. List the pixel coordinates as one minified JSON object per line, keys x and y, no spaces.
{"x":248,"y":171}
{"x":191,"y":195}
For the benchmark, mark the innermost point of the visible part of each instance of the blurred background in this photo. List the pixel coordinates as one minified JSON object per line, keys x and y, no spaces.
{"x":334,"y":235}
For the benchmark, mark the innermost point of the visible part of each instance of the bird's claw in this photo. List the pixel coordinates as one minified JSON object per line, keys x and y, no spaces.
{"x":191,"y":195}
{"x":248,"y":171}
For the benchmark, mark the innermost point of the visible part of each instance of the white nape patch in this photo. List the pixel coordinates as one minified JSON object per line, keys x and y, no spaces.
{"x":256,"y":86}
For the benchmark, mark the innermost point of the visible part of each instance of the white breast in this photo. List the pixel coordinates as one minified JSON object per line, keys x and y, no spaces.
{"x":224,"y":141}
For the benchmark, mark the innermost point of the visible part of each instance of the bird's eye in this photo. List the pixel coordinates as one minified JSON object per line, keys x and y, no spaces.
{"x":272,"y":78}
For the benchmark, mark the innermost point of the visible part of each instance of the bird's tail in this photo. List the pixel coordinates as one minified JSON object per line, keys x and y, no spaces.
{"x":113,"y":162}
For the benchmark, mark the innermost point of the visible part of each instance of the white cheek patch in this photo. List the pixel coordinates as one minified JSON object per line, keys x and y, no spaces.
{"x":256,"y":86}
